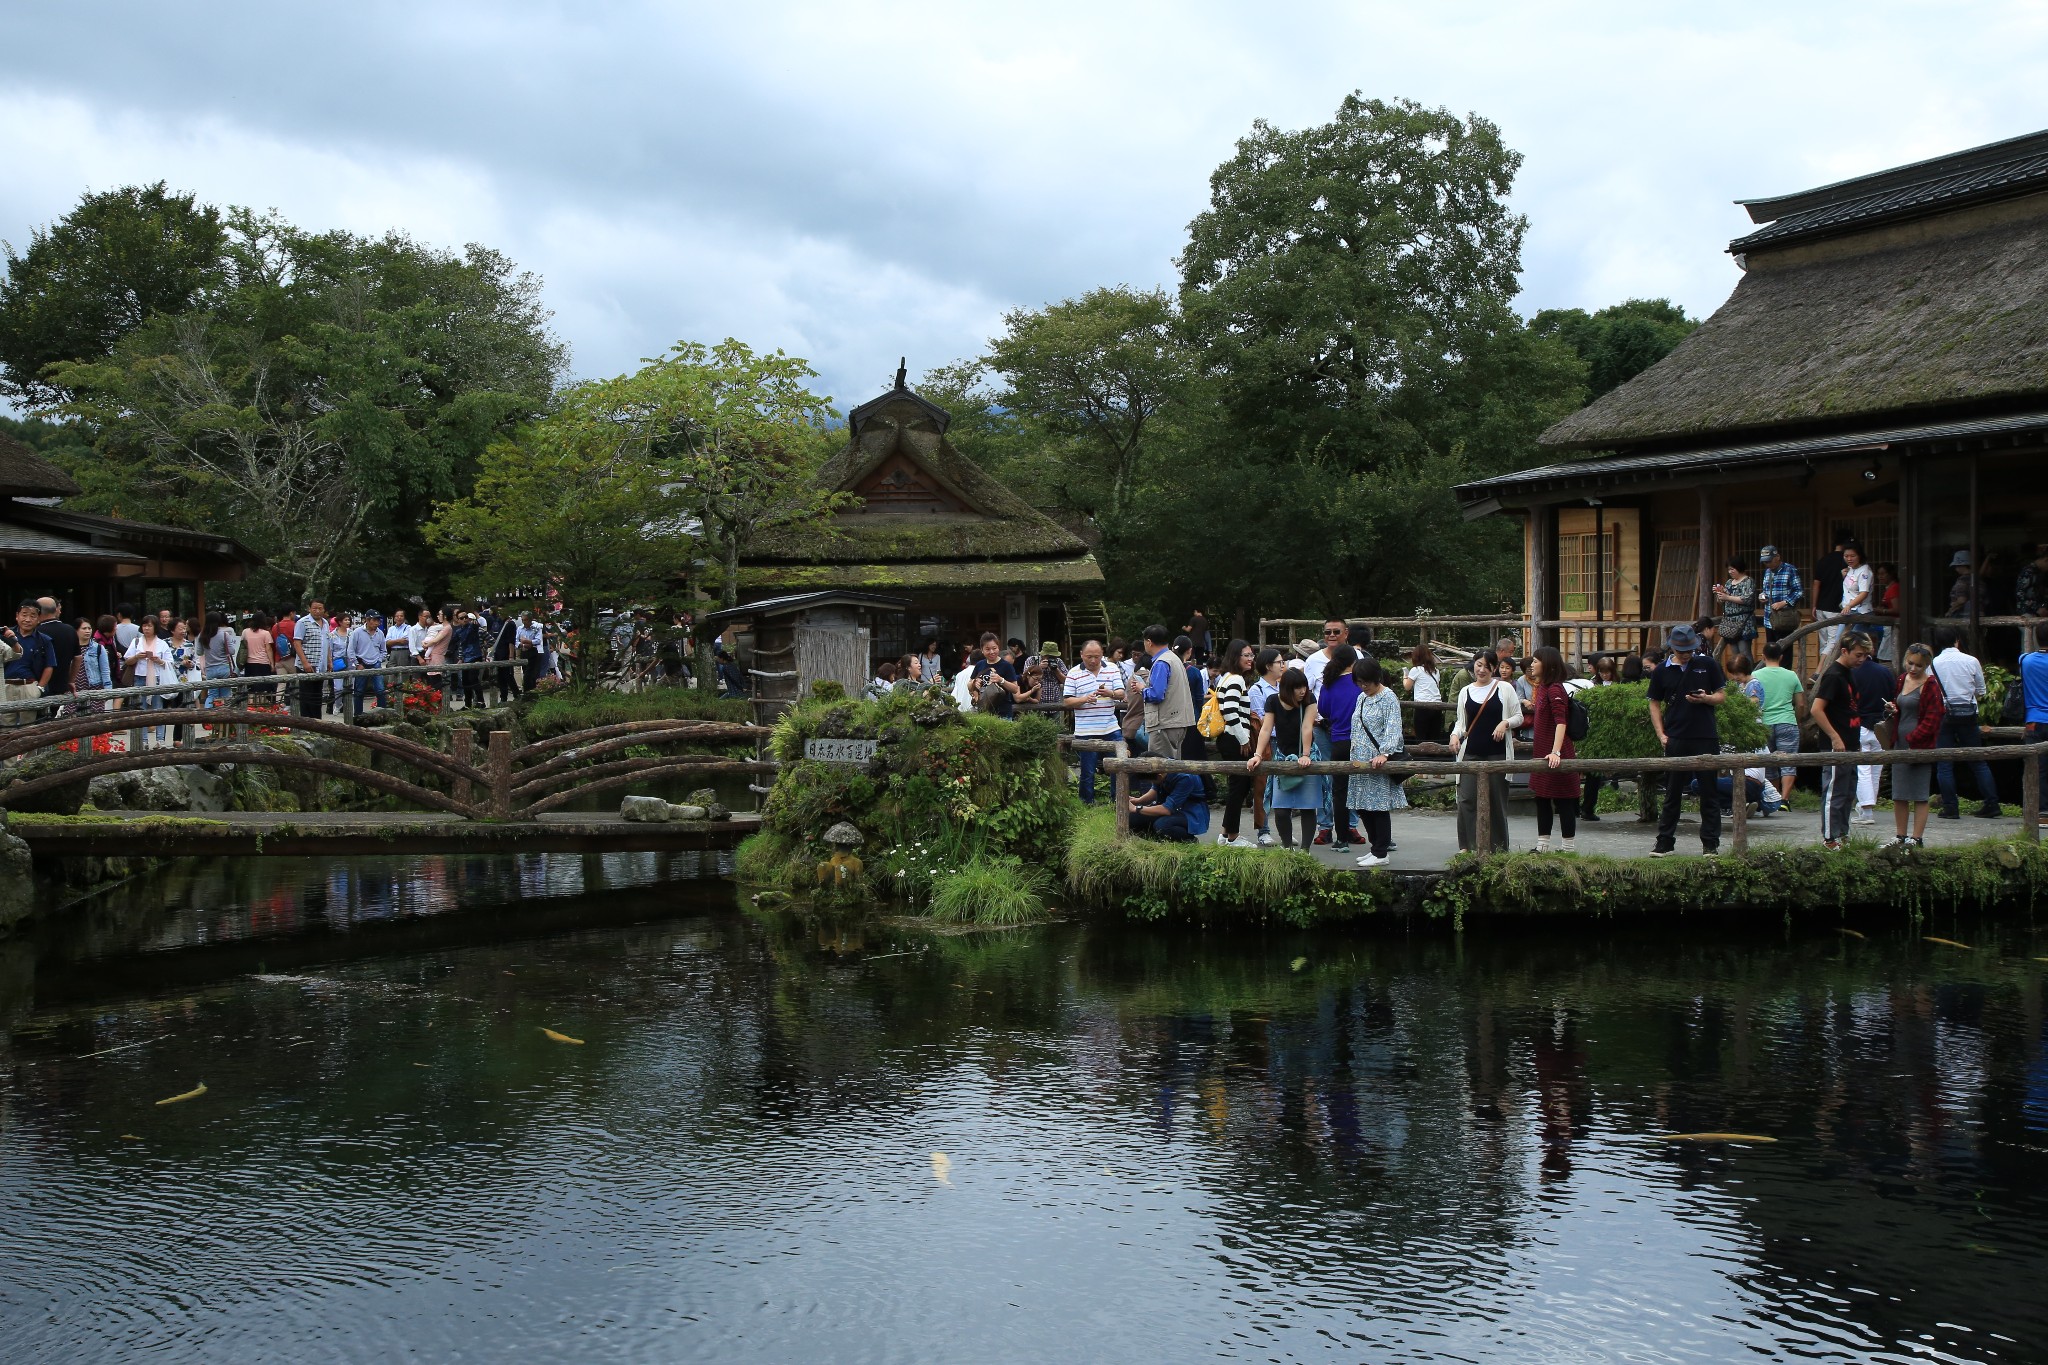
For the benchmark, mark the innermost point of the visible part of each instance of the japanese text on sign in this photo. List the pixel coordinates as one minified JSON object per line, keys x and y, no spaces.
{"x":840,"y":750}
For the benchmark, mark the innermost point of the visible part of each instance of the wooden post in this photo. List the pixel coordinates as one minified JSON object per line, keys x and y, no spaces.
{"x":1738,"y":801}
{"x":1120,"y":793}
{"x":462,"y":747}
{"x":500,"y":765}
{"x":2030,"y":793}
{"x":1710,"y":567}
{"x":1482,"y":840}
{"x":1911,"y":577}
{"x":1542,"y":574}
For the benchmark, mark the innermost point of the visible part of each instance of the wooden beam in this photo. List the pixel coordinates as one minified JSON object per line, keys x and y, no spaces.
{"x":1710,"y":563}
{"x":1542,"y":573}
{"x":1911,"y":578}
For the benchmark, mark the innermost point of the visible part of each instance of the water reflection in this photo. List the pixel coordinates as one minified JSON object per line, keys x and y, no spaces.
{"x":1159,"y":1146}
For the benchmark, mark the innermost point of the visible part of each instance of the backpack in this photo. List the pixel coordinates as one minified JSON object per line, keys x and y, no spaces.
{"x":1210,"y":724}
{"x":1576,"y":719}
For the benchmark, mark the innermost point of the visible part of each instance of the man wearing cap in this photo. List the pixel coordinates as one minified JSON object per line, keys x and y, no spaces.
{"x":366,"y":650}
{"x":1684,"y":690}
{"x":1780,"y":595}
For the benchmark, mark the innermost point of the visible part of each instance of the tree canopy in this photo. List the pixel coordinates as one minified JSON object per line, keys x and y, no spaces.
{"x":1618,"y":342}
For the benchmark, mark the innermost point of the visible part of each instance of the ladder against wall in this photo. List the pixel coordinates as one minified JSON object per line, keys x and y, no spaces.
{"x":1085,"y":621}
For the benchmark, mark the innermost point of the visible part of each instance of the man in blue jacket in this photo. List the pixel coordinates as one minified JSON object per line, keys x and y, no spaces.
{"x":1173,"y":809}
{"x":2034,"y":691}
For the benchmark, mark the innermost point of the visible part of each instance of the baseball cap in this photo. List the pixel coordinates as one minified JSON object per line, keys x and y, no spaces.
{"x":1767,"y":552}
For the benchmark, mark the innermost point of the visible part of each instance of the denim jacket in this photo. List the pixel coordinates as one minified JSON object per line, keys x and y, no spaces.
{"x":97,"y":673}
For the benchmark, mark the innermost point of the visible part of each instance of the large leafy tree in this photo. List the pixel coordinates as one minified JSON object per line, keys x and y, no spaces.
{"x":119,"y":259}
{"x":319,"y":399}
{"x":1618,"y":342}
{"x":1349,"y":288}
{"x":732,"y":436}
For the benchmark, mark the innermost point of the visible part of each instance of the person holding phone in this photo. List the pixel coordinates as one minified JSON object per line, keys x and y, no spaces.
{"x":1684,"y":691}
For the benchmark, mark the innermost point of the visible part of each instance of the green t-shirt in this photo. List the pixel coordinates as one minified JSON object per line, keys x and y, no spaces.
{"x":1780,"y":686}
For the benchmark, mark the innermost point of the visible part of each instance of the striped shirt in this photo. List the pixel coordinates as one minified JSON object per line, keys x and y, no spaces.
{"x":1230,"y":700}
{"x":1096,"y":716}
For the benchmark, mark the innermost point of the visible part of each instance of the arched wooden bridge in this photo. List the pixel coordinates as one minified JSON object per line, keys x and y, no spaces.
{"x":511,"y":801}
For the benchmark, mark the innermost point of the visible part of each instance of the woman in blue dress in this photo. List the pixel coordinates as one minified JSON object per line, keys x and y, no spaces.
{"x":1375,"y":739}
{"x":1284,"y":738}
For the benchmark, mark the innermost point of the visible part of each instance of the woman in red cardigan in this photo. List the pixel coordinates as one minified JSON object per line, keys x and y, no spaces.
{"x":1556,"y":793}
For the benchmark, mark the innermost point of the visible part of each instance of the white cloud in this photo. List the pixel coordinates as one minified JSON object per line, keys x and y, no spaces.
{"x":855,"y":182}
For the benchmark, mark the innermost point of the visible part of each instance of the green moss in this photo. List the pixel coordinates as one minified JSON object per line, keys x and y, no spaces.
{"x":571,"y":708}
{"x":34,"y":820}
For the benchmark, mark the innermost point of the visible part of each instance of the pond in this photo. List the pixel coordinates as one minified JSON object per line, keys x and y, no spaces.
{"x":1079,"y":1142}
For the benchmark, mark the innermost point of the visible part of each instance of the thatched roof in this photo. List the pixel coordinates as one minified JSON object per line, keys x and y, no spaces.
{"x":974,"y":517}
{"x":1941,"y":315}
{"x":25,"y":474}
{"x":997,"y":575}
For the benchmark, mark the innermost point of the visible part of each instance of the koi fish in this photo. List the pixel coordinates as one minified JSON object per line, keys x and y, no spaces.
{"x":191,"y":1094}
{"x":130,"y":1137}
{"x":1849,"y":932}
{"x":1297,"y":964}
{"x":942,"y":1165}
{"x":562,"y":1037}
{"x":1715,"y":1137}
{"x":1948,"y":943}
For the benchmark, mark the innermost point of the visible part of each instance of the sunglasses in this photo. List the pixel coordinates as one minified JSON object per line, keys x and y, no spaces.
{"x":1334,"y":633}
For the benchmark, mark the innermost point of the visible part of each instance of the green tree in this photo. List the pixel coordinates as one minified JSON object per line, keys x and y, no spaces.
{"x":1096,"y":373}
{"x":97,"y":274}
{"x":574,"y":505}
{"x":1349,"y":289}
{"x":320,"y":399}
{"x":1620,"y":341}
{"x":735,"y":436}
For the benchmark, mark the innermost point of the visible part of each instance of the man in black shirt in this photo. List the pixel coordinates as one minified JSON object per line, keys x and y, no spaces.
{"x":1684,"y":690}
{"x":995,"y":686}
{"x":1876,"y":691}
{"x":63,"y":642}
{"x":1837,"y":711}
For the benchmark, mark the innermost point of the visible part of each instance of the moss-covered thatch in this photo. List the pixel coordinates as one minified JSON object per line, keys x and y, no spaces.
{"x":1000,"y":574}
{"x":1889,"y":323}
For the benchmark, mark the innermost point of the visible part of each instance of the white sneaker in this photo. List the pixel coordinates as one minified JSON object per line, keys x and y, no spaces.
{"x":1265,"y":838}
{"x":1865,"y":815}
{"x":1565,"y":846}
{"x":1543,"y":843}
{"x":1373,"y":860}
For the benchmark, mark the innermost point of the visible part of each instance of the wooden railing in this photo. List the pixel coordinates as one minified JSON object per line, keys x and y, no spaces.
{"x":1121,"y":766}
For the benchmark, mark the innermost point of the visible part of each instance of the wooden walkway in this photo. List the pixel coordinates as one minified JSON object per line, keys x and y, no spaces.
{"x":326,"y":834}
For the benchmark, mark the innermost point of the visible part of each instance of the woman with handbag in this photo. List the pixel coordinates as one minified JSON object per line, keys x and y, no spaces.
{"x":1737,"y":594}
{"x":1556,"y":793}
{"x":1285,"y":736}
{"x":1488,"y":714}
{"x":1231,"y":691}
{"x":1375,"y":739}
{"x":1916,"y":724}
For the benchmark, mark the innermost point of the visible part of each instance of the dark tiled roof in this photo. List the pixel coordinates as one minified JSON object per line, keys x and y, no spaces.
{"x":1586,"y":476}
{"x":2002,"y":170}
{"x":32,"y":540}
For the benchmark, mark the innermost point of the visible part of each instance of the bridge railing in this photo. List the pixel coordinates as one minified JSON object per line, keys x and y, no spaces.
{"x":283,"y":684}
{"x":1121,"y":767}
{"x":511,"y":783}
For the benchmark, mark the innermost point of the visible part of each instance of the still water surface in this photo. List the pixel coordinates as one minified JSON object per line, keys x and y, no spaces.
{"x":1157,"y":1144}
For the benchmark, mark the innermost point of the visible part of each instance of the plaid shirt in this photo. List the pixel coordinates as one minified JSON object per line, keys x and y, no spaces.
{"x":1781,"y":585}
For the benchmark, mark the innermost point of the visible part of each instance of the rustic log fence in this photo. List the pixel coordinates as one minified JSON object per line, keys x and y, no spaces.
{"x":1121,"y":767}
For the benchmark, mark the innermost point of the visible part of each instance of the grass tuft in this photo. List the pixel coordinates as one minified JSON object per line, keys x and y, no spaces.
{"x":992,"y":891}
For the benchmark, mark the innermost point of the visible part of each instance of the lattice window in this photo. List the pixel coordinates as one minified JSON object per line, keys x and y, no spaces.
{"x":1583,"y":561}
{"x":1678,"y":575}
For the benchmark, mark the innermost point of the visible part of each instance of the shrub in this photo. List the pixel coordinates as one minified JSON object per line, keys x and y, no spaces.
{"x":990,"y":891}
{"x":1618,"y":722}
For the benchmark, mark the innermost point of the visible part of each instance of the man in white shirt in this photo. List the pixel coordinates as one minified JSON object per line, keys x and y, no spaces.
{"x":1335,"y":632}
{"x":1962,"y":690}
{"x":397,"y":641}
{"x":1092,"y":692}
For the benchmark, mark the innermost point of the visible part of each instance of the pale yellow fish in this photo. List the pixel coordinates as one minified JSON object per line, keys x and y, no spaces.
{"x":420,"y":1064}
{"x":130,"y":1137}
{"x":1947,"y":942}
{"x":2041,"y":959}
{"x":1715,"y":1137}
{"x":1850,"y":932}
{"x":1297,"y":964}
{"x":942,"y":1166}
{"x":191,"y":1094}
{"x":562,"y":1037}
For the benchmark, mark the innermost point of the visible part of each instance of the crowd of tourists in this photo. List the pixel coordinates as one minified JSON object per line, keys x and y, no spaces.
{"x":315,"y":660}
{"x":1276,"y":711}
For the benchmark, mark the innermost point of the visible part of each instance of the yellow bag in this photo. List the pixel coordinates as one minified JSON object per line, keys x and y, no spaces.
{"x":1210,"y":724}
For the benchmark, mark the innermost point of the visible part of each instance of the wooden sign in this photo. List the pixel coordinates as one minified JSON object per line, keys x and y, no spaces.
{"x":840,"y":750}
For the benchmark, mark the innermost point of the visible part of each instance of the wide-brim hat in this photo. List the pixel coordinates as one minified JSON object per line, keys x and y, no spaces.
{"x":1959,"y":560}
{"x":1682,"y":637}
{"x":1049,"y":647}
{"x":1304,"y":648}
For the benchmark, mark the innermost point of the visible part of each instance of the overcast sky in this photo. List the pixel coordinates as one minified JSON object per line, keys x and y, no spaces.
{"x":852,"y":182}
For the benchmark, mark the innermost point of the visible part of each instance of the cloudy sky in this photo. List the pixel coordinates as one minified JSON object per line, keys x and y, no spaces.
{"x":853,"y":181}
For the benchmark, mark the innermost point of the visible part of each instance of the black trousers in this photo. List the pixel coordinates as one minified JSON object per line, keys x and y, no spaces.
{"x":310,"y":698}
{"x":1238,"y":790}
{"x":1341,"y":823}
{"x":1675,"y":783}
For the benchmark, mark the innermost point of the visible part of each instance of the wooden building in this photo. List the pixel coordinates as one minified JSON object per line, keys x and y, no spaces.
{"x":933,"y":528}
{"x":91,"y":563}
{"x":1881,"y":368}
{"x":792,"y":642}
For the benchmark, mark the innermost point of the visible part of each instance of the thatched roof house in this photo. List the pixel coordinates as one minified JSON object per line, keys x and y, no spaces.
{"x":931,"y":526}
{"x":1881,"y":369}
{"x":88,"y":562}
